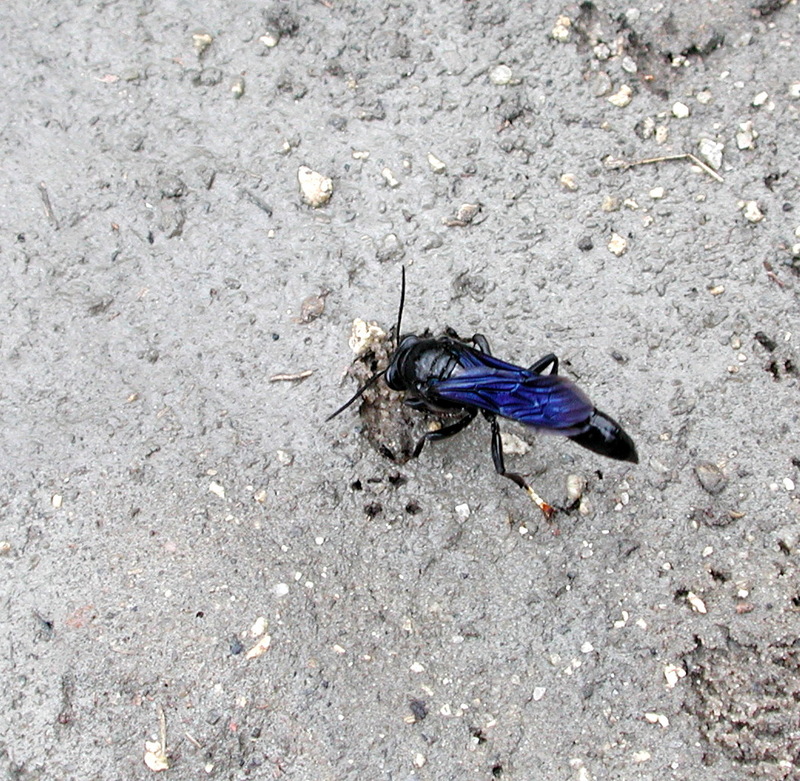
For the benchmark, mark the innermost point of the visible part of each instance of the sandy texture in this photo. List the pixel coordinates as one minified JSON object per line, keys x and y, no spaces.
{"x":159,"y":495}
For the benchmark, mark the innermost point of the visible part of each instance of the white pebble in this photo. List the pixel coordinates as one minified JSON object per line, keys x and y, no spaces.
{"x":437,"y":166}
{"x":538,"y":693}
{"x":216,"y":489}
{"x":622,"y":97}
{"x":656,"y":193}
{"x":761,"y":99}
{"x":315,"y":188}
{"x":281,"y":589}
{"x":746,"y":136}
{"x":696,"y":603}
{"x":390,"y":178}
{"x":560,"y":31}
{"x":711,"y":152}
{"x":788,"y":483}
{"x":569,"y":182}
{"x":751,"y":211}
{"x":501,"y":75}
{"x":462,"y":510}
{"x":673,"y":673}
{"x":680,"y":110}
{"x":618,"y":245}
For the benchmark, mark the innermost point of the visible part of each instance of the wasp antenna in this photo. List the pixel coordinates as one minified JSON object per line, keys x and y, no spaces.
{"x":402,"y":304}
{"x":368,"y":384}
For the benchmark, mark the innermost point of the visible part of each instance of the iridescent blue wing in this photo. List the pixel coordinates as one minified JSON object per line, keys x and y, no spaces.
{"x":543,"y":401}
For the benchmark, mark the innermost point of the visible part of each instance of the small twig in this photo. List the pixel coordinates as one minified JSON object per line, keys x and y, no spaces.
{"x":193,"y":740}
{"x":162,"y":728}
{"x":48,"y":207}
{"x":666,"y":158}
{"x":256,"y":201}
{"x":291,"y":377}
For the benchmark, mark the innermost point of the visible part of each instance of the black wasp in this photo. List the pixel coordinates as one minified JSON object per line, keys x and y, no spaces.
{"x":449,"y":374}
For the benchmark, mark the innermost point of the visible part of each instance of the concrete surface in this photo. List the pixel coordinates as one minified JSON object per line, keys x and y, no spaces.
{"x":160,"y":495}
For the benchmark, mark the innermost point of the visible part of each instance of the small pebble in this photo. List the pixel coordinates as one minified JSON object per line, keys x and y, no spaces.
{"x":201,"y":42}
{"x":568,"y":182}
{"x":618,"y":245}
{"x":711,"y":152}
{"x":673,"y":673}
{"x":315,"y":188}
{"x":561,"y":30}
{"x":760,"y":99}
{"x":746,"y":136}
{"x":629,"y":65}
{"x":703,"y":97}
{"x":270,"y":39}
{"x":751,"y":211}
{"x":237,"y":88}
{"x":216,"y":489}
{"x":501,"y":75}
{"x":656,"y":193}
{"x":710,"y":477}
{"x":680,"y":110}
{"x":794,"y":89}
{"x":538,"y":693}
{"x":576,"y":485}
{"x":514,"y":444}
{"x":365,"y":336}
{"x":390,"y":178}
{"x":622,"y":97}
{"x":437,"y":166}
{"x":462,"y":510}
{"x":657,"y":718}
{"x":788,"y":483}
{"x":602,"y":51}
{"x":390,"y":248}
{"x":696,"y":603}
{"x":56,"y":501}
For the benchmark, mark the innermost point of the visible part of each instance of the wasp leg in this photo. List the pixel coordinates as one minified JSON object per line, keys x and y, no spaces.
{"x":500,"y":468}
{"x":548,"y":360}
{"x":482,"y":343}
{"x":444,"y":433}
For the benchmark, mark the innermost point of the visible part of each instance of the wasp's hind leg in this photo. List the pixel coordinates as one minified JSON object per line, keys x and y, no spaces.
{"x":444,"y":433}
{"x":550,"y":360}
{"x":500,"y":468}
{"x":481,"y":343}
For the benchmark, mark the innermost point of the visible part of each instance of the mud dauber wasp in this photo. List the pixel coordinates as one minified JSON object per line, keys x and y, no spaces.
{"x":448,"y":374}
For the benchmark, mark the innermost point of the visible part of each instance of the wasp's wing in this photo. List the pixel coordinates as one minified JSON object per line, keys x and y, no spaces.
{"x":543,"y":401}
